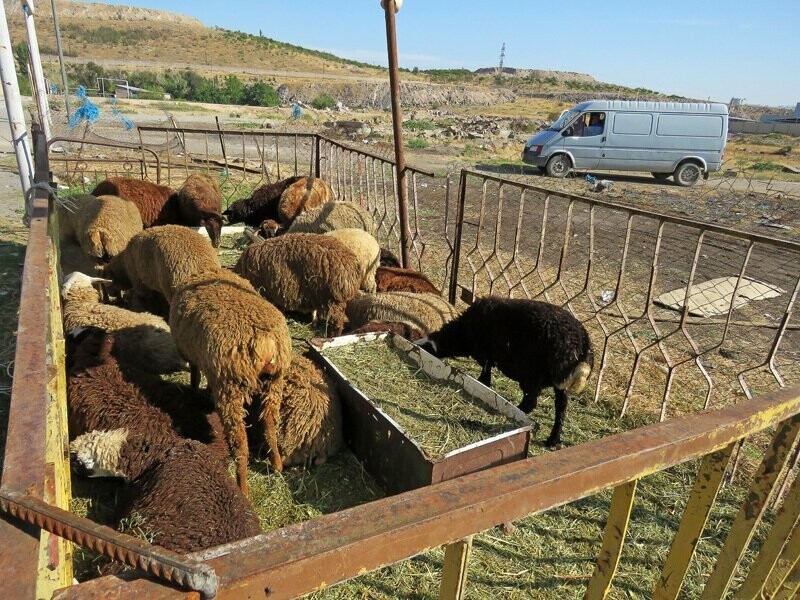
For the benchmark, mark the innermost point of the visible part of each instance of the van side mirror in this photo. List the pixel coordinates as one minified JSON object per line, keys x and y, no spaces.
{"x":567,"y":132}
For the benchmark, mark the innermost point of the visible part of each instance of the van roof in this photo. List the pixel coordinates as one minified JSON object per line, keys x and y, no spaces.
{"x":716,"y":108}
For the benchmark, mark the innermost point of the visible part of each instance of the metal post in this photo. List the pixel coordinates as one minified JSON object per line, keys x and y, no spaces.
{"x":16,"y":117}
{"x":390,"y":7}
{"x":61,"y":60}
{"x":39,"y":86}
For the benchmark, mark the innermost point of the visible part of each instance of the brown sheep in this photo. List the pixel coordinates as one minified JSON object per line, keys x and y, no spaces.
{"x":310,"y":428}
{"x":394,"y":279}
{"x":241,"y":342}
{"x":366,"y":249}
{"x":261,"y":205}
{"x":200,"y":204}
{"x":160,"y":259}
{"x":178,"y":487}
{"x":303,"y":194}
{"x":426,"y":312}
{"x":102,"y":226}
{"x":303,"y":272}
{"x":157,"y":204}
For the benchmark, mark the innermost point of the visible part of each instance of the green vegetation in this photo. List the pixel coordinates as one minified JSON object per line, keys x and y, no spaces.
{"x":450,"y":75}
{"x":323,"y":101}
{"x":419,"y":125}
{"x":766,"y":166}
{"x":417,"y":143}
{"x":108,"y":35}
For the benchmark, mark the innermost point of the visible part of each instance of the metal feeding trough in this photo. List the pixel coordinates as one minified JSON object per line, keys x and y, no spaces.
{"x":389,"y":453}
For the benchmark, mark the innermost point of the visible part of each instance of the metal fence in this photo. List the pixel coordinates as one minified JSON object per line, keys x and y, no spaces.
{"x":624,"y":273}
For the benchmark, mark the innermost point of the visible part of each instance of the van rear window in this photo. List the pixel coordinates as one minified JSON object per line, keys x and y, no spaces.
{"x":633,"y":123}
{"x":690,"y":125}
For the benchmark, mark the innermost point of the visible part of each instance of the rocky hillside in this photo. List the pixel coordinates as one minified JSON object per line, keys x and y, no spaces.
{"x":104,"y":12}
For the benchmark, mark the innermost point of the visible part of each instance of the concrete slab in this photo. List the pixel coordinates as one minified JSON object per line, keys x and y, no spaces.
{"x":713,"y":297}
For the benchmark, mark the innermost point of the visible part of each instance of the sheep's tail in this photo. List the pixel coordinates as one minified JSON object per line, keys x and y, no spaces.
{"x":577,"y":379}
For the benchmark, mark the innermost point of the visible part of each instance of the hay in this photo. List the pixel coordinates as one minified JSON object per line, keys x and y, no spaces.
{"x":438,"y":415}
{"x":231,"y":247}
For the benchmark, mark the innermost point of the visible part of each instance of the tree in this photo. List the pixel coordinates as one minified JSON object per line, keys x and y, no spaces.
{"x":261,"y":94}
{"x":233,"y":92}
{"x":21,"y":55}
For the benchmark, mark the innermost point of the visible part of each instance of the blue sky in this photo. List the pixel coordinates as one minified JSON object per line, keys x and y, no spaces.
{"x":700,"y":49}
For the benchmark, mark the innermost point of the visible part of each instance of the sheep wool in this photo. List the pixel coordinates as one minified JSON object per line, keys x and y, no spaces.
{"x":241,"y":342}
{"x":402,"y":329}
{"x":144,"y":338}
{"x":395,"y":279}
{"x":157,"y":204}
{"x":161,"y":258}
{"x":333,"y":215}
{"x":367,"y":251}
{"x":425,"y":312}
{"x":102,"y":226}
{"x":303,"y":272}
{"x":200,"y":204}
{"x":261,"y":205}
{"x":302,"y":195}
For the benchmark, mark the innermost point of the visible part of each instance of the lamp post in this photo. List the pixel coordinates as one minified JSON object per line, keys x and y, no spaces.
{"x":390,"y":7}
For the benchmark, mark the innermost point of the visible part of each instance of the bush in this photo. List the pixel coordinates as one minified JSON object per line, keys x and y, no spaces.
{"x":323,"y":101}
{"x":24,"y":86}
{"x":417,"y":143}
{"x":261,"y":94}
{"x":419,"y":124}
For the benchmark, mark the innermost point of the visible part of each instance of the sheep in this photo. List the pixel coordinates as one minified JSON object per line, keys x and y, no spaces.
{"x":142,"y":337}
{"x":200,"y":205}
{"x":270,"y":228}
{"x":310,"y":416}
{"x":303,"y":272}
{"x":402,"y":329}
{"x":426,"y":312}
{"x":157,"y":204}
{"x":101,"y":225}
{"x":367,"y":251}
{"x":241,"y":342}
{"x":159,"y":259}
{"x":388,"y":259}
{"x":302,"y":195}
{"x":333,"y":215}
{"x":261,"y":205}
{"x":177,"y":487}
{"x":534,"y":343}
{"x":105,"y":391}
{"x":394,"y":279}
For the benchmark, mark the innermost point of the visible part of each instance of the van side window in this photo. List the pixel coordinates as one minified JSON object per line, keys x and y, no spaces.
{"x":597,"y":122}
{"x":633,"y":123}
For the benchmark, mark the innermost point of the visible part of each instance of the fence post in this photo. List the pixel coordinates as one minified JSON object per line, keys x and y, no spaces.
{"x":454,"y":572}
{"x":462,"y":196}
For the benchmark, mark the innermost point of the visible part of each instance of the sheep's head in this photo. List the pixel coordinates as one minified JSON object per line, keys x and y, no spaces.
{"x":428,"y":345}
{"x":213,"y":225}
{"x":98,"y":453}
{"x":78,"y":280}
{"x":269,"y":228}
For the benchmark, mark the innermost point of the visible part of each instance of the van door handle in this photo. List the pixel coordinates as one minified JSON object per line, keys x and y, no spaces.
{"x":604,"y":139}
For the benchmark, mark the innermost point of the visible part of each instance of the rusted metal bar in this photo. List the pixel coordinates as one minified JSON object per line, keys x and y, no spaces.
{"x":755,"y":503}
{"x":459,"y":231}
{"x":156,"y":561}
{"x":343,"y":545}
{"x":378,"y":157}
{"x":206,"y":131}
{"x":707,"y":484}
{"x":317,"y":156}
{"x":789,"y":559}
{"x":613,"y":538}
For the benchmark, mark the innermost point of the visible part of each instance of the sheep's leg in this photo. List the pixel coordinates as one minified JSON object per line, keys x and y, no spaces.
{"x":561,"y":411}
{"x":230,"y":406}
{"x":530,"y":398}
{"x":486,"y":374}
{"x":270,"y":407}
{"x":194,"y":377}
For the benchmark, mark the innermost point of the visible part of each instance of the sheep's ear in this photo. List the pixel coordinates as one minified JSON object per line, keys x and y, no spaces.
{"x":100,"y":280}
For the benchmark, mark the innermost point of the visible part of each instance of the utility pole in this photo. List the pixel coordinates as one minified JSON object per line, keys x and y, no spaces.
{"x":16,"y":117}
{"x":61,"y":60}
{"x":39,"y":86}
{"x":502,"y":57}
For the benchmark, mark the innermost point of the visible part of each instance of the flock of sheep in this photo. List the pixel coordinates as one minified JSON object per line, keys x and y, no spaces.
{"x":147,"y":295}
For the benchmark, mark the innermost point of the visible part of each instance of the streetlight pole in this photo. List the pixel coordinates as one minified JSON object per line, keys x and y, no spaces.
{"x":390,"y":7}
{"x":61,"y":60}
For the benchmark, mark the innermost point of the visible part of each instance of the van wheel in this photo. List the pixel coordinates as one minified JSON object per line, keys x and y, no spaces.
{"x":687,"y":174}
{"x":661,"y":176}
{"x":558,"y":166}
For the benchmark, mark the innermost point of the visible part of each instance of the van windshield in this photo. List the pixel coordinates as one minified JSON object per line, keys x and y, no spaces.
{"x":563,"y":120}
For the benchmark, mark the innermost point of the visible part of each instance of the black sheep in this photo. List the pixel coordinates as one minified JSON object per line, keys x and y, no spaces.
{"x":534,"y":343}
{"x":261,"y":205}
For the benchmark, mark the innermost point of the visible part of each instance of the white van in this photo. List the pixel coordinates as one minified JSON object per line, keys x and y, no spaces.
{"x":685,"y":140}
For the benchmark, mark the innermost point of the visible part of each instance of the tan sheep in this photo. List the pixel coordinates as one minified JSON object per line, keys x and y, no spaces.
{"x":102,"y":226}
{"x":160,"y":259}
{"x":310,"y":429}
{"x":241,"y":343}
{"x":367,"y":251}
{"x":302,"y":195}
{"x":333,"y":215}
{"x":303,"y":272}
{"x":426,"y":312}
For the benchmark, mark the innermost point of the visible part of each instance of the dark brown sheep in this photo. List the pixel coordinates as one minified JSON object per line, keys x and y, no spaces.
{"x":156,"y":203}
{"x":261,"y":205}
{"x":394,"y":279}
{"x":200,"y":205}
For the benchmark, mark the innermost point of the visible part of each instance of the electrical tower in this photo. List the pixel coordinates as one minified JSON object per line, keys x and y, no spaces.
{"x":502,"y":56}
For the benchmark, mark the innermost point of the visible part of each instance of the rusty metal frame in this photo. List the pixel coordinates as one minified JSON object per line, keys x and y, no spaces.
{"x":117,"y":145}
{"x":343,"y":545}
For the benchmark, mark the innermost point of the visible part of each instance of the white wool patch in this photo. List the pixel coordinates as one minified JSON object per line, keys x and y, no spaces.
{"x":99,"y":451}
